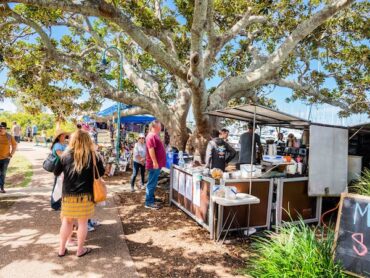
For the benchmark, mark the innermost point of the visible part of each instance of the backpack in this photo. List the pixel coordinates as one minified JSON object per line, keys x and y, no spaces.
{"x":50,"y":162}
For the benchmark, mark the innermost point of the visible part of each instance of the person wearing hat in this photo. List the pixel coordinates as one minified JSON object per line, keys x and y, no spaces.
{"x":58,"y":146}
{"x":139,"y":161}
{"x":8,"y":145}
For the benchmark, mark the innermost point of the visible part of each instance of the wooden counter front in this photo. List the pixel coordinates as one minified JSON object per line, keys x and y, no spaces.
{"x":199,"y":212}
{"x":296,"y":203}
{"x":260,"y":213}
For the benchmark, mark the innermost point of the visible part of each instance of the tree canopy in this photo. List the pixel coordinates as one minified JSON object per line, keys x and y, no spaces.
{"x":173,"y":49}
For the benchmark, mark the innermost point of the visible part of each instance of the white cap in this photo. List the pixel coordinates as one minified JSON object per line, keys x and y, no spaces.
{"x":141,"y":135}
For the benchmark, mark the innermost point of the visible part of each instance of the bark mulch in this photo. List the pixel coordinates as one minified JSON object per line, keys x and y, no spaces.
{"x":167,"y":243}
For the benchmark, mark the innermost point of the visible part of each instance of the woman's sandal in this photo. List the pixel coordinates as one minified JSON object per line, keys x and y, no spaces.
{"x":65,"y":253}
{"x":87,"y":251}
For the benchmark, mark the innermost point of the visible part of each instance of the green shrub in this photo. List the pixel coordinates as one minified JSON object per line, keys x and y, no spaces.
{"x":296,"y":251}
{"x":362,"y":186}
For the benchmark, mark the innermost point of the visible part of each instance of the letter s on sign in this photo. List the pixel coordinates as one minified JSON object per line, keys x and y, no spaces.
{"x":361,"y":243}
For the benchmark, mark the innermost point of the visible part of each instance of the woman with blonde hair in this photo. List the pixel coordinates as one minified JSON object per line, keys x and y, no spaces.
{"x":77,"y":164}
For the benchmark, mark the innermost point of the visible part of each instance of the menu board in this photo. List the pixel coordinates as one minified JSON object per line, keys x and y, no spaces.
{"x":352,"y":234}
{"x":189,"y":187}
{"x":182,"y":181}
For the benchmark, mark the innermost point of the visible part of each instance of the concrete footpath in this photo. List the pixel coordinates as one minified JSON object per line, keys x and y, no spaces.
{"x":29,"y":234}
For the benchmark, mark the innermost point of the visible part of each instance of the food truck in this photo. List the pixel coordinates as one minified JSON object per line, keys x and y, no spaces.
{"x":283,"y":194}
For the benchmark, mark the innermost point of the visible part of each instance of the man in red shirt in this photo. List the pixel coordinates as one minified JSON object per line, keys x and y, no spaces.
{"x":155,"y":160}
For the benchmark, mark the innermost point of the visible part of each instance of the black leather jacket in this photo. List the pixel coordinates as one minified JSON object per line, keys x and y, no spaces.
{"x":77,"y":183}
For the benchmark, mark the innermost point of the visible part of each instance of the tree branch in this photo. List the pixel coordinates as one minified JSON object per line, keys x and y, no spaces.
{"x":148,"y":87}
{"x":216,"y":43}
{"x":303,"y":29}
{"x":106,"y":10}
{"x":195,"y":74}
{"x":310,"y":91}
{"x":134,"y":111}
{"x":230,"y":86}
{"x":158,"y":11}
{"x":32,"y":24}
{"x":145,"y":102}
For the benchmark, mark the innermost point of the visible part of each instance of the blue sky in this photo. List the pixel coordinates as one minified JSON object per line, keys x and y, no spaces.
{"x":320,"y":113}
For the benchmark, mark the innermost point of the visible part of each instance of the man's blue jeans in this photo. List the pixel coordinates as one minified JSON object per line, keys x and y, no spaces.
{"x":3,"y":168}
{"x":151,"y":186}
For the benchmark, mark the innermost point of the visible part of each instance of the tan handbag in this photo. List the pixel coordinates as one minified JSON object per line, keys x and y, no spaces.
{"x":99,"y":187}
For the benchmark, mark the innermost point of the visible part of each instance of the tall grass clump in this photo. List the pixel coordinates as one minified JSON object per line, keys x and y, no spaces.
{"x":362,"y":186}
{"x":296,"y":251}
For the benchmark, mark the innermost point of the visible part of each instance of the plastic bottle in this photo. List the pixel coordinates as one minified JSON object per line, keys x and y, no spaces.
{"x":181,"y":159}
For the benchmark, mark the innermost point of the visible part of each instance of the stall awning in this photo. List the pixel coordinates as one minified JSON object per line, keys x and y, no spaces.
{"x":360,"y":128}
{"x":110,"y":111}
{"x":137,"y":119}
{"x":264,"y":116}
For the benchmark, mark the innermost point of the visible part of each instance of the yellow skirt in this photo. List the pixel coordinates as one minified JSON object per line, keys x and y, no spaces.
{"x":77,"y":207}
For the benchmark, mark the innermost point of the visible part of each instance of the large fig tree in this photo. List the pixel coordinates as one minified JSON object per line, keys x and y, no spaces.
{"x":176,"y":51}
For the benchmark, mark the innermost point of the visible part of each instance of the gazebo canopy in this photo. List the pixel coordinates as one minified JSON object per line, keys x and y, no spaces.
{"x":136,"y":119}
{"x":263,"y":116}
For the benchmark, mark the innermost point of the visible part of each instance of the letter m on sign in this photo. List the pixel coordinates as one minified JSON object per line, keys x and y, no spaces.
{"x":362,"y":213}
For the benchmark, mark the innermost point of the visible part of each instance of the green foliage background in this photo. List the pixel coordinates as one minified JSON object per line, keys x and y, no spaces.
{"x":43,"y":121}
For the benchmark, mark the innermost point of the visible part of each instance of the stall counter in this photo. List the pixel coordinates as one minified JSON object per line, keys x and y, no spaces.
{"x":193,"y":196}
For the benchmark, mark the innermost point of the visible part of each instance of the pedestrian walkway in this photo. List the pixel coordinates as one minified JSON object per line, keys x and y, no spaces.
{"x":29,"y":234}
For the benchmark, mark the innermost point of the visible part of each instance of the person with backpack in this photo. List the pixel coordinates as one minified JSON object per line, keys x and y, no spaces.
{"x":218,"y":152}
{"x":58,"y":146}
{"x":8,"y":146}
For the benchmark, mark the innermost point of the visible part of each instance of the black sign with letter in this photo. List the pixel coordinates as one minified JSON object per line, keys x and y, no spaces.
{"x":352,"y":234}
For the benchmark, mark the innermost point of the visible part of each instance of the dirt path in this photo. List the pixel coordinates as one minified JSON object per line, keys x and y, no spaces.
{"x":29,"y":234}
{"x":167,"y":243}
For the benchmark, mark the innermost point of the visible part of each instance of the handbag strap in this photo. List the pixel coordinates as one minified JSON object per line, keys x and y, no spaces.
{"x":95,"y":167}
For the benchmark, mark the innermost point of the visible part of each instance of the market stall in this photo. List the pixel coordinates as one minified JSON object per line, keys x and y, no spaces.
{"x":131,"y":127}
{"x":288,"y":189}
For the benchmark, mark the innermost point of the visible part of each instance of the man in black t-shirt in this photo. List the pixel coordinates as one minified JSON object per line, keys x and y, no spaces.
{"x":218,"y":153}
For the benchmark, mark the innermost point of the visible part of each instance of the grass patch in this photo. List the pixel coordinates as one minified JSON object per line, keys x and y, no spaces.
{"x":19,"y":172}
{"x":296,"y":251}
{"x":362,"y":186}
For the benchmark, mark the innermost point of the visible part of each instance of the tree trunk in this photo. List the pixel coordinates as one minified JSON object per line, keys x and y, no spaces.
{"x":58,"y":124}
{"x":197,"y":144}
{"x":178,"y":132}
